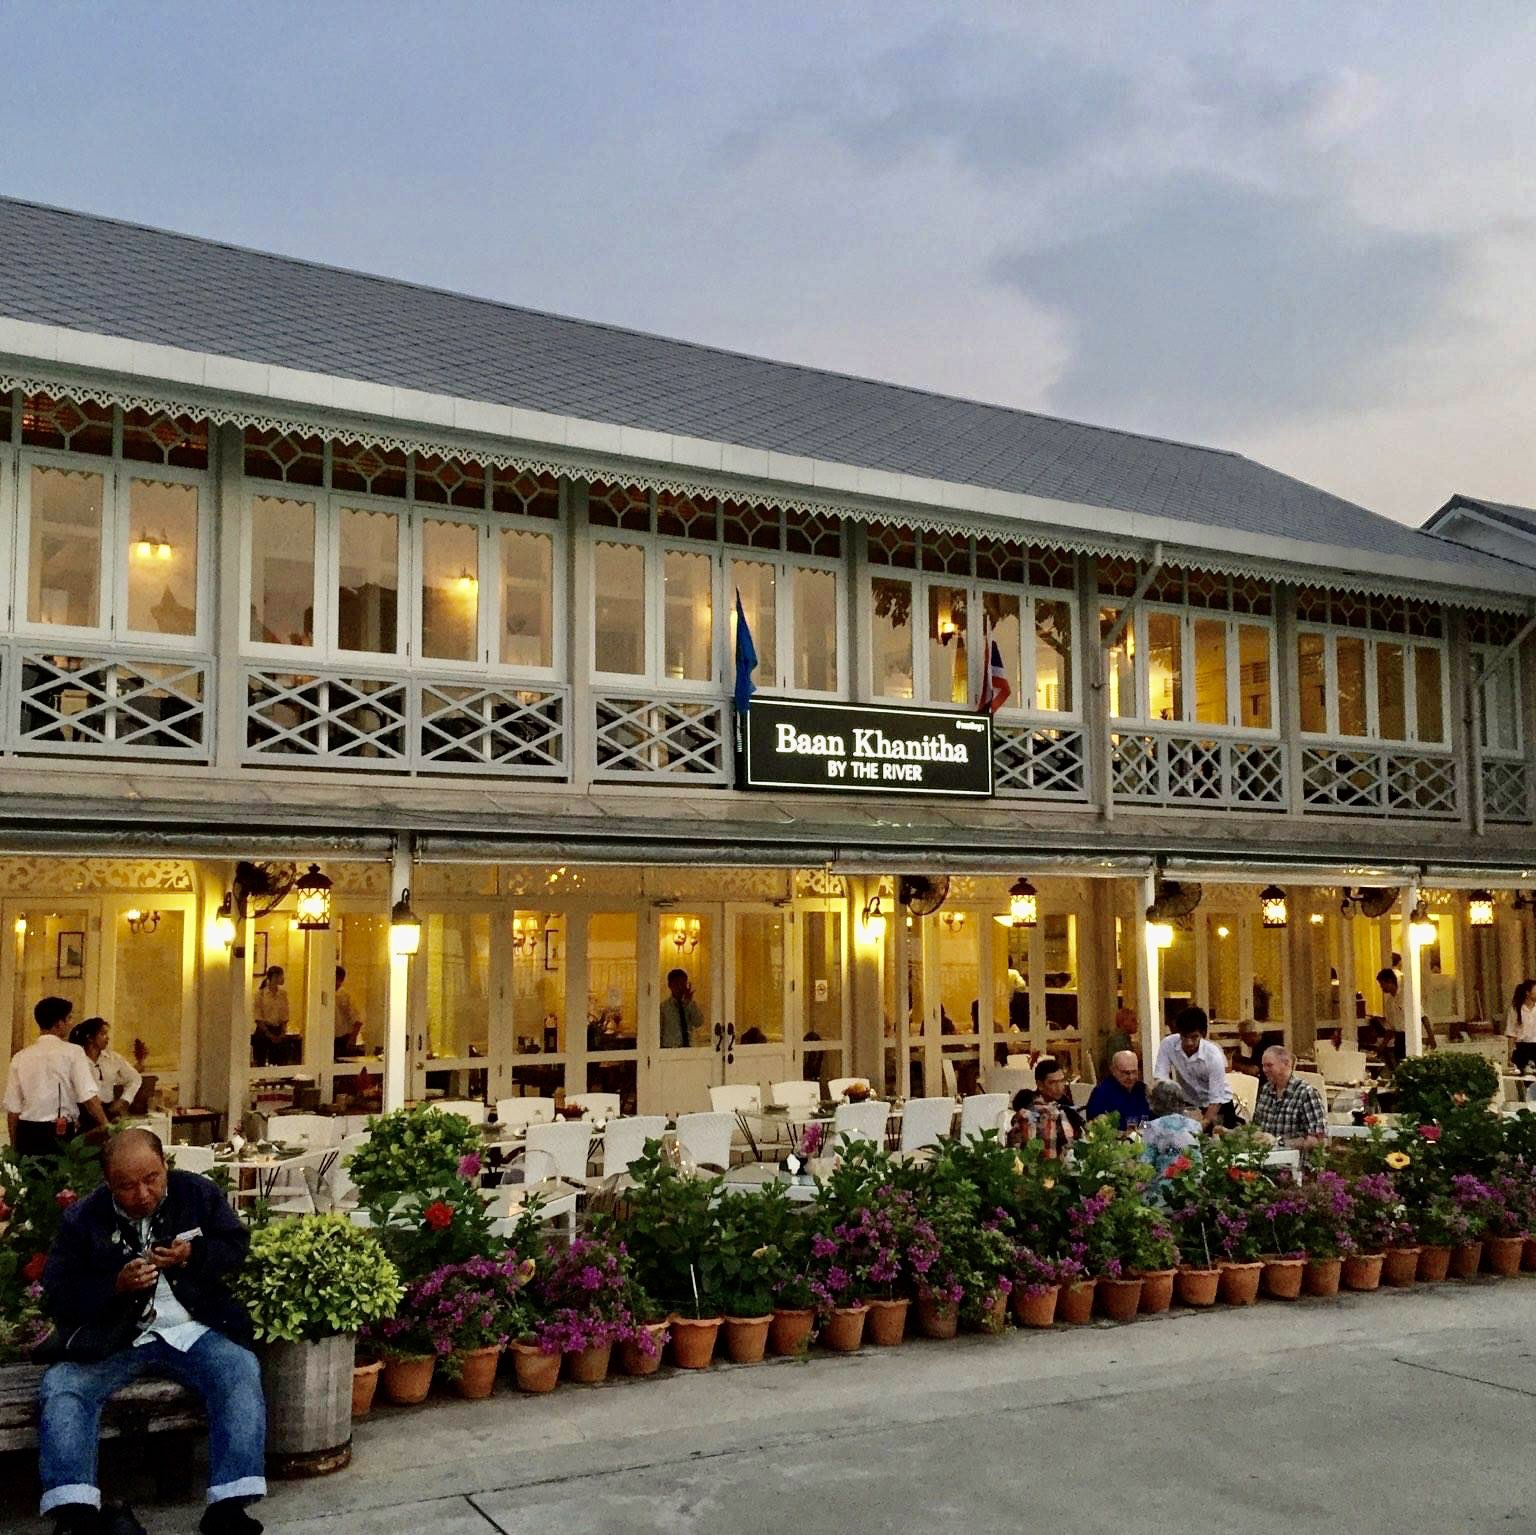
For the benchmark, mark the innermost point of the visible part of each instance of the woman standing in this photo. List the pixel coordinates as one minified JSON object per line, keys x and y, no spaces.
{"x":1520,"y":1026}
{"x":270,"y":1013}
{"x":119,"y":1081}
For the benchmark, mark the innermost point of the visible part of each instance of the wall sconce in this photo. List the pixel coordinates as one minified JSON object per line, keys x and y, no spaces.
{"x":1316,"y":919}
{"x":1421,"y":930}
{"x":313,"y":901}
{"x":141,"y":921}
{"x":686,"y":932}
{"x":1023,"y":904}
{"x":21,"y":927}
{"x":1480,"y":908}
{"x":526,"y":932}
{"x":465,"y":584}
{"x":1223,"y":932}
{"x":872,"y":919}
{"x":404,"y":927}
{"x":1273,"y":911}
{"x":1160,"y":934}
{"x":222,"y":927}
{"x":953,"y":920}
{"x":151,"y":547}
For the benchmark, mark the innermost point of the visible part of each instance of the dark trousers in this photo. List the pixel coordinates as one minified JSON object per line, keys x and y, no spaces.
{"x":38,"y":1138}
{"x":1523,"y":1056}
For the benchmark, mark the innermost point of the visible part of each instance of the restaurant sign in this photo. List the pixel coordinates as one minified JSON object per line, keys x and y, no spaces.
{"x":864,"y":749}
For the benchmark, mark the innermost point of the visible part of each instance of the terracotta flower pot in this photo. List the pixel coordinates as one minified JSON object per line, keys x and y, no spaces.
{"x":886,"y":1324}
{"x":589,"y":1366}
{"x":365,"y":1381}
{"x":476,"y":1377}
{"x":1321,"y":1276}
{"x":1434,"y":1264}
{"x":1239,"y":1283}
{"x":693,"y":1341}
{"x":1501,"y":1255}
{"x":790,"y":1331}
{"x":1282,"y":1277}
{"x":1466,"y":1259}
{"x":1400,"y":1267}
{"x":937,"y":1318}
{"x":1075,"y":1302}
{"x":993,"y":1319}
{"x":1362,"y":1271}
{"x":843,"y":1330}
{"x":1156,"y":1291}
{"x":536,"y":1371}
{"x":1528,"y":1255}
{"x":1196,"y":1287}
{"x":746,"y":1338}
{"x":636,"y":1359}
{"x":408,"y":1379}
{"x":1118,"y":1300}
{"x":1035,"y":1308}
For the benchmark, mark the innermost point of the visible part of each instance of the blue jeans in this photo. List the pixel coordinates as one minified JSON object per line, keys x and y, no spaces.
{"x":222,"y":1373}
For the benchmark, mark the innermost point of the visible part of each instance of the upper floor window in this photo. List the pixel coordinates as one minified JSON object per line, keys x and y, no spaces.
{"x":1501,"y":727}
{"x":1381,"y":686}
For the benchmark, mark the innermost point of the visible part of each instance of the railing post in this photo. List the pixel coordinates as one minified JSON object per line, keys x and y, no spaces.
{"x":1286,"y":700}
{"x":227,"y":703}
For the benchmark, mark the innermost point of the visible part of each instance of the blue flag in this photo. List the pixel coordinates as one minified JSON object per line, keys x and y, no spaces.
{"x":746,"y":660}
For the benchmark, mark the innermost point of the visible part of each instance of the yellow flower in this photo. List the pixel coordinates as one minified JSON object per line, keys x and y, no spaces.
{"x":1018,"y":1164}
{"x":762,"y":1252}
{"x":1047,"y":1183}
{"x":1397,"y":1160}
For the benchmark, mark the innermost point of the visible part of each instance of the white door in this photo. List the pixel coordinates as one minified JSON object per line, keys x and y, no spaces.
{"x":760,"y":1040}
{"x":684,"y":1038}
{"x":52,"y":949}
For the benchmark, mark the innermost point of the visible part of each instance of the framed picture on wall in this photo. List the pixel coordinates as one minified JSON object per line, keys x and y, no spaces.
{"x":70,"y":964}
{"x":259,"y":956}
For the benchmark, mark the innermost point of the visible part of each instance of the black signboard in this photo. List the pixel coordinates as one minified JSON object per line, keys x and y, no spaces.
{"x":864,"y":749}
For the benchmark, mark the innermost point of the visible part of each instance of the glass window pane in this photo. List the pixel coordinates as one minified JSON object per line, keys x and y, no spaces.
{"x":1060,"y":977}
{"x":948,"y":666}
{"x":612,"y":975}
{"x":891,"y":637}
{"x":146,"y":996}
{"x":52,"y":960}
{"x":1312,"y":682}
{"x":1221,"y":966}
{"x":1165,"y":666}
{"x":816,"y":632}
{"x":64,"y":548}
{"x":1004,"y":628}
{"x":450,"y":590}
{"x":458,"y":983}
{"x":758,"y":998}
{"x":1391,"y":704}
{"x":1053,"y":655}
{"x":1269,"y":990}
{"x":1500,"y":705}
{"x":162,"y":558}
{"x":1427,"y":695}
{"x":755,"y":582}
{"x":821,"y":985}
{"x":1253,"y":687}
{"x":360,"y":997}
{"x":1210,"y":671}
{"x":527,"y":598}
{"x":1120,"y":663}
{"x":282,"y":571}
{"x":690,"y":617}
{"x":959,"y":943}
{"x":368,"y":582}
{"x":1010,"y":986}
{"x":619,"y":622}
{"x":1351,"y":662}
{"x":686,"y":941}
{"x":279,"y":1001}
{"x":538,"y":982}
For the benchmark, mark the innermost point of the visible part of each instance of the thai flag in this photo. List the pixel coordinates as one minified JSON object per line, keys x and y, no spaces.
{"x":995,"y":691}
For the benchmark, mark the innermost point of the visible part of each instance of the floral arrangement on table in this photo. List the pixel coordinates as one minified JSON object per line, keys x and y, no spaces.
{"x":458,"y":1307}
{"x":583,"y":1295}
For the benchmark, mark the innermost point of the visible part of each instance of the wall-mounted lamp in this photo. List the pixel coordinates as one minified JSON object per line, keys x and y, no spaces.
{"x":1160,"y":934}
{"x":404,"y":927}
{"x":1480,"y":908}
{"x":141,"y":921}
{"x":313,"y":901}
{"x":466,"y":584}
{"x":222,"y":927}
{"x":1316,"y":919}
{"x":1421,"y":930}
{"x":1223,"y":932}
{"x":686,"y":932}
{"x":149,"y":546}
{"x":21,"y":927}
{"x":1273,"y":911}
{"x":953,"y":920}
{"x":873,"y":919}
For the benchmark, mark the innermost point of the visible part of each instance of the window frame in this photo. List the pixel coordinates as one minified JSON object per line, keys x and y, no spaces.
{"x":784,"y":567}
{"x":1371,"y":639}
{"x":1479,"y":654}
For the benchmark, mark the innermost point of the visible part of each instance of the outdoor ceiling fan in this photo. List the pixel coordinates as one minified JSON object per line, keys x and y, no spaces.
{"x":1368,"y":902}
{"x":922,"y":894}
{"x":264,"y":883}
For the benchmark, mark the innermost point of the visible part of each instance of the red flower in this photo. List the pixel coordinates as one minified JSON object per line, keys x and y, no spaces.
{"x":1178,"y":1165}
{"x":438,"y":1216}
{"x":32,"y":1269}
{"x":65,"y":1198}
{"x":5,"y":1211}
{"x":1430,"y":1132}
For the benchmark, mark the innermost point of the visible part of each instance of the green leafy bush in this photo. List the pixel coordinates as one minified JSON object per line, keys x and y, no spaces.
{"x":671,"y":1233}
{"x":410,"y":1151}
{"x":1431,"y":1087}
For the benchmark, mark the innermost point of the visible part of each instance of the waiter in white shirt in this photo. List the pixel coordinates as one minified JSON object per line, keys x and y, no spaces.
{"x":1187,"y":1057}
{"x":51,"y":1084}
{"x":119,"y":1082}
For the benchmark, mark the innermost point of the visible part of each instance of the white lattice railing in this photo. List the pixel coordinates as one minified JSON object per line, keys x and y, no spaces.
{"x":639,"y":737}
{"x":1042,"y":762}
{"x":404,"y":724}
{"x":79,"y":703}
{"x":1506,"y":790}
{"x":1177,"y":768}
{"x":1379,"y":780}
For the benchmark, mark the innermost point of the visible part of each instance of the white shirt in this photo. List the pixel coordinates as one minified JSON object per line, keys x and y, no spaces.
{"x":112,"y":1073}
{"x":1202,"y":1075}
{"x":48,"y":1080}
{"x":1522,"y":1029}
{"x":173,"y":1323}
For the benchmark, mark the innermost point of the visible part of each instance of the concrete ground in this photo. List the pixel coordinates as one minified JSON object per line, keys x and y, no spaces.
{"x":1394,"y":1412}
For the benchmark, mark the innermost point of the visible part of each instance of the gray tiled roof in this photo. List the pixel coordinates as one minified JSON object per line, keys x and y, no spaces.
{"x":123,"y":280}
{"x":1522,"y":517}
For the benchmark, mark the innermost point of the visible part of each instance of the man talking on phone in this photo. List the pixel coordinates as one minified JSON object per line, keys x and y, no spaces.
{"x":137,"y":1284}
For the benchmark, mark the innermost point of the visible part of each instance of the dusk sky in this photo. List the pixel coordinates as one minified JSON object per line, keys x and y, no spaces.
{"x":1304,"y":231}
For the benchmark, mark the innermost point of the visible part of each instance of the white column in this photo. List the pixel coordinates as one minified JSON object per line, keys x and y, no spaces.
{"x":1149,"y":987}
{"x":1413,"y":992}
{"x":397,"y":1035}
{"x":240,"y":1020}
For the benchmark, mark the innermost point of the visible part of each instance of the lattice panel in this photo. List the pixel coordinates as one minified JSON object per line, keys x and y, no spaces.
{"x":1169,"y":769}
{"x":1133,"y":768}
{"x":1506,"y":792}
{"x":1258,"y":774}
{"x":466,"y":728}
{"x":1370,"y":781}
{"x":349,"y":721}
{"x":1040,"y":763}
{"x":660,"y":738}
{"x":110,"y":706}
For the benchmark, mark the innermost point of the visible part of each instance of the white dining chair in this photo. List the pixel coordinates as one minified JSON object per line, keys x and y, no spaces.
{"x":624,"y":1140}
{"x":470,"y":1108}
{"x":558,"y":1150}
{"x":343,"y":1189}
{"x":312,"y":1131}
{"x":157,"y":1124}
{"x":505,"y":1206}
{"x":517,"y":1112}
{"x":795,"y":1094}
{"x":1314,"y":1078}
{"x":190,"y":1159}
{"x":1008,"y":1080}
{"x":947,"y":1077}
{"x":1341,"y":1068}
{"x":297,"y":1182}
{"x":1245,"y":1092}
{"x":861,"y":1121}
{"x":840,"y":1085}
{"x":926,"y":1121}
{"x":981,"y":1112}
{"x":595,"y":1105}
{"x":707,"y":1138}
{"x":736,"y":1098}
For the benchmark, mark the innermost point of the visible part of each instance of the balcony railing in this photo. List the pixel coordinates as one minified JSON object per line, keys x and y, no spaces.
{"x":1506,"y":791}
{"x":646,"y":738}
{"x":1195,"y":770}
{"x":1379,"y":780}
{"x":1040,"y":762}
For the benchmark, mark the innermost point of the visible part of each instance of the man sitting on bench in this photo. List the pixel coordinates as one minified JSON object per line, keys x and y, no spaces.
{"x":136,"y":1283}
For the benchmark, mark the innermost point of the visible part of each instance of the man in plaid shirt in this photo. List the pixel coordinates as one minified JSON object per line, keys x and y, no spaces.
{"x":1048,"y":1116}
{"x":1288,"y":1108}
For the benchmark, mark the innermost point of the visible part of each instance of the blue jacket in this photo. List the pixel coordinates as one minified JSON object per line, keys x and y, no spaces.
{"x":1108,"y":1097}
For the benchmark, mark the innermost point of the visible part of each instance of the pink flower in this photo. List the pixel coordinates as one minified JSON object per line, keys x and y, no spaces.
{"x":1430,"y":1132}
{"x":65,"y":1198}
{"x":469,"y":1166}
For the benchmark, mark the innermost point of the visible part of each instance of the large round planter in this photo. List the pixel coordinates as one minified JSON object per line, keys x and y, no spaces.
{"x":1528,"y":1255}
{"x":886,"y":1324}
{"x":843,"y":1330}
{"x":1197,"y":1287}
{"x":937,"y":1318}
{"x":638,"y":1359}
{"x":1466,"y":1260}
{"x":1118,"y":1299}
{"x":1156,"y":1291}
{"x":1282,"y":1277}
{"x":589,"y":1366}
{"x":790,"y":1331}
{"x":1320,"y":1278}
{"x":1400,"y":1267}
{"x":1239,"y":1283}
{"x":475,"y":1371}
{"x":536,"y":1371}
{"x":1075,"y":1302}
{"x":1501,"y":1255}
{"x":1434,"y":1264}
{"x":693,"y":1341}
{"x":746,"y":1338}
{"x":1035,"y":1308}
{"x":408,"y":1379}
{"x":365,"y":1381}
{"x":1362,"y":1271}
{"x":308,"y":1387}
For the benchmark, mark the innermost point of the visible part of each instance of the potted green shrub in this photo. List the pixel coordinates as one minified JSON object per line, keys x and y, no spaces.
{"x":750,"y":1243}
{"x":311,"y":1284}
{"x":1433,"y":1087}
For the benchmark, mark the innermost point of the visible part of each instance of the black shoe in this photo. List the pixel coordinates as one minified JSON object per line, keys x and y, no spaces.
{"x":119,"y":1519}
{"x":228,"y":1517}
{"x":77,"y":1519}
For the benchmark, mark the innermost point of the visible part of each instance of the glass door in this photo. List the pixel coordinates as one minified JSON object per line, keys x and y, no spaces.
{"x":686,"y":1057}
{"x":759,"y":1044}
{"x":537,"y":989}
{"x":819,"y":1010}
{"x":52,"y":949}
{"x":610,"y":960}
{"x":453,"y":984}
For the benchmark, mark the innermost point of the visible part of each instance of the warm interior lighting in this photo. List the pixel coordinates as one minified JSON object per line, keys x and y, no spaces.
{"x":21,"y":927}
{"x":1023,"y":904}
{"x":312,"y":906}
{"x":1273,"y":911}
{"x":1160,"y":935}
{"x":873,"y":919}
{"x":1421,"y":930}
{"x":1316,"y":919}
{"x":148,"y":546}
{"x":953,"y":920}
{"x":465,"y":584}
{"x":1223,"y":932}
{"x":1480,"y":908}
{"x":404,"y":927}
{"x":141,"y":921}
{"x":222,"y":928}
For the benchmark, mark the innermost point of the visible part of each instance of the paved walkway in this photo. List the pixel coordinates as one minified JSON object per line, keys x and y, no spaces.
{"x":1401,"y":1411}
